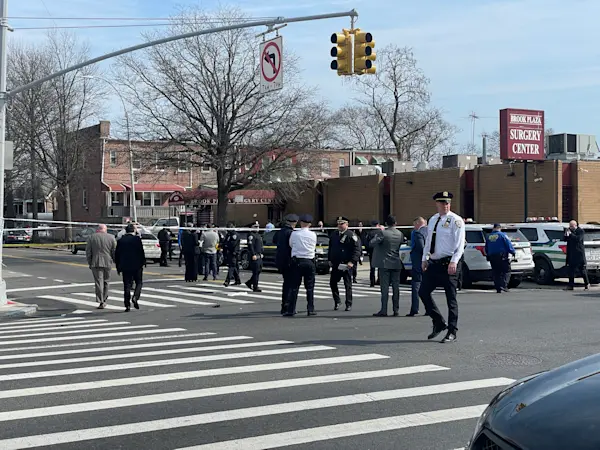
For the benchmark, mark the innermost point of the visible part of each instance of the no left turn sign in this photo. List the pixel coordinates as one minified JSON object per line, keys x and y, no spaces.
{"x":271,"y":65}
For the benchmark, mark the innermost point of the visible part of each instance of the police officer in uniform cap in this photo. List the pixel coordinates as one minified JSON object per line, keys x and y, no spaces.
{"x":255,"y":252}
{"x":283,"y":259}
{"x":444,"y":246}
{"x":303,"y":243}
{"x":231,"y":253}
{"x":344,"y":253}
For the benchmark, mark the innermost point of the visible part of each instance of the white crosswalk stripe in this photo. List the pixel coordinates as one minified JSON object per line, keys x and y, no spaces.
{"x":84,"y":404}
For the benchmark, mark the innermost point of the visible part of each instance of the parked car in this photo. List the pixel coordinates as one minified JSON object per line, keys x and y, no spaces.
{"x":16,"y":237}
{"x":270,"y":250}
{"x":81,"y":235}
{"x":551,"y":410}
{"x":151,"y":247}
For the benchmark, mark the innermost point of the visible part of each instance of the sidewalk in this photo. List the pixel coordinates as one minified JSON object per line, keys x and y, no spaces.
{"x":14,"y":310}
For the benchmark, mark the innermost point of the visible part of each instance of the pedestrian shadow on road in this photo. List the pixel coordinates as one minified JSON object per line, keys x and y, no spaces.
{"x":363,"y":343}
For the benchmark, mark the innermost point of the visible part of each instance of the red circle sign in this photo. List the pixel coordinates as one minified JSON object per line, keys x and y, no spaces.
{"x":275,"y":65}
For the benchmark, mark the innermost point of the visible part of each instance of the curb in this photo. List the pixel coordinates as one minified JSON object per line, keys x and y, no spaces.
{"x":17,"y":310}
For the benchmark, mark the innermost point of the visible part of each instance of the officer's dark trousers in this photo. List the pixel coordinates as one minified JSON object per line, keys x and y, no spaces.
{"x":417,"y":279}
{"x":233,"y":271}
{"x":256,"y":268}
{"x":437,"y":275}
{"x":336,"y":276}
{"x":578,"y":268}
{"x":164,"y":250}
{"x":130,"y":277}
{"x":373,"y":272}
{"x":304,"y":270}
{"x":500,"y":270}
{"x":287,"y":290}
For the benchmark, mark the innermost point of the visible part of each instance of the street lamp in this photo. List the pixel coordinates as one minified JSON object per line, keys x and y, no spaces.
{"x":131,"y":175}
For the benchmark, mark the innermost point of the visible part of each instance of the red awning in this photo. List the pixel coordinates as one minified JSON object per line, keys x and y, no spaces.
{"x":147,"y":187}
{"x":113,"y":187}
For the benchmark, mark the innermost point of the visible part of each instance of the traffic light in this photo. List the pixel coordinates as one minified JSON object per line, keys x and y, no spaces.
{"x":342,"y":52}
{"x":364,"y":53}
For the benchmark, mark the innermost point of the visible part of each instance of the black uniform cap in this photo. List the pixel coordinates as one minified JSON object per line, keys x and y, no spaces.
{"x":443,"y":196}
{"x":306,"y":218}
{"x":342,"y":219}
{"x":291,"y":218}
{"x":374,"y":223}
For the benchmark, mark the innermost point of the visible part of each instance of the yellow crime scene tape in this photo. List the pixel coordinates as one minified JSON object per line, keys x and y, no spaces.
{"x":34,"y":245}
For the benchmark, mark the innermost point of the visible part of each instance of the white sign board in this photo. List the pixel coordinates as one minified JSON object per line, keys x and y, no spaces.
{"x":8,"y":155}
{"x":271,"y":65}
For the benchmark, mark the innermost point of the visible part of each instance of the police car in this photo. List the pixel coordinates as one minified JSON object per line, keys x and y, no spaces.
{"x":476,"y":267}
{"x":547,"y":237}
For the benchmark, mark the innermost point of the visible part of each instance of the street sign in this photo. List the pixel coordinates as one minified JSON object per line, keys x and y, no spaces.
{"x":271,"y":65}
{"x":176,"y":198}
{"x":8,"y":155}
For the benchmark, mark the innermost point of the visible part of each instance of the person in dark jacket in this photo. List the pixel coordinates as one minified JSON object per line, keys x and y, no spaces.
{"x":369,"y":235}
{"x":498,"y":249}
{"x":231,"y":252}
{"x":418,"y":238}
{"x":283,"y":260}
{"x":164,"y":238}
{"x":343,"y":255}
{"x":190,"y":249}
{"x":576,"y":260}
{"x":130,"y":261}
{"x":255,"y":253}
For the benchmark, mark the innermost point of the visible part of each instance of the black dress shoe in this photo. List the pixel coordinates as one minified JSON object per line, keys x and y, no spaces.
{"x":411,"y":314}
{"x":348,"y":308}
{"x":247,"y":283}
{"x":380,"y":314}
{"x":135,"y":304}
{"x":336,"y":307}
{"x":437,"y":329}
{"x":450,"y":337}
{"x":396,"y":313}
{"x":288,"y":314}
{"x":256,"y":290}
{"x":311,"y":313}
{"x":127,"y":310}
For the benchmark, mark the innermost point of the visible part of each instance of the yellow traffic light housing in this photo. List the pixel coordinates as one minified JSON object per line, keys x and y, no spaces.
{"x":342,"y":52}
{"x":364,"y":53}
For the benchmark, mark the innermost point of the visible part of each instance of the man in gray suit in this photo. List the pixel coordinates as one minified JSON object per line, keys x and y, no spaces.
{"x":100,"y":253}
{"x":417,"y":244}
{"x":386,"y":256}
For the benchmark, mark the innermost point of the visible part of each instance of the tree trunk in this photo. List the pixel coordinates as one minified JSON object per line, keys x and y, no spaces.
{"x":222,"y":203}
{"x":68,"y":213}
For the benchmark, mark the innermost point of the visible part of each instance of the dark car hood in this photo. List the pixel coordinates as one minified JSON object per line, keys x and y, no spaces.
{"x":558,"y":409}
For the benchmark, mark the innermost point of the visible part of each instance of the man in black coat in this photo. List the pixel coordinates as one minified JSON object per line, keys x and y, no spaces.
{"x":164,"y":238}
{"x":576,"y":260}
{"x":231,"y":252}
{"x":130,"y":260}
{"x":344,"y":254}
{"x":255,"y":253}
{"x":283,"y":260}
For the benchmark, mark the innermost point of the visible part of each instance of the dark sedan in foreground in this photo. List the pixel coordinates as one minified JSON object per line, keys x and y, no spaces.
{"x":554,"y":410}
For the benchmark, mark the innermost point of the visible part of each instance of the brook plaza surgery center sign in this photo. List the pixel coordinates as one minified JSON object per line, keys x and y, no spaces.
{"x":521,"y":134}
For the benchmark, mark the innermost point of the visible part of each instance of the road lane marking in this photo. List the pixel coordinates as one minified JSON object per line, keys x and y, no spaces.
{"x":61,"y":326}
{"x":50,"y":335}
{"x":117,"y":299}
{"x":207,"y":297}
{"x":42,"y":320}
{"x":265,"y":287}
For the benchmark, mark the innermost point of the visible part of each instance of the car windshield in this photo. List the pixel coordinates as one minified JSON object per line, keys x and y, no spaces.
{"x":146,"y":236}
{"x":322,"y":239}
{"x":16,"y":232}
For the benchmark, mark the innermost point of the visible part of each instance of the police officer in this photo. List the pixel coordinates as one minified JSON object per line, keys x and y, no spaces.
{"x":344,"y":253}
{"x":164,"y":238}
{"x":303,"y":243}
{"x":444,"y":247}
{"x":283,"y":259}
{"x":497,"y":249}
{"x":255,"y":253}
{"x":231,"y":253}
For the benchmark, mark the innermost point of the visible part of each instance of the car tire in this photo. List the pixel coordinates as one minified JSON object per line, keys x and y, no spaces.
{"x":74,"y":250}
{"x":594,"y":279}
{"x":245,"y":261}
{"x":514,"y":282}
{"x":542,"y":273}
{"x":465,"y":278}
{"x":403,"y":276}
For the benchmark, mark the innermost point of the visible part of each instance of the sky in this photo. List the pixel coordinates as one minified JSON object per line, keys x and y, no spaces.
{"x":480,"y":55}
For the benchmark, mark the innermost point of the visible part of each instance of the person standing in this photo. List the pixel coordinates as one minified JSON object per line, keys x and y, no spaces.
{"x":100,"y":254}
{"x":386,"y":250}
{"x":231,"y":252}
{"x":444,"y":247}
{"x":370,"y":234}
{"x":130,"y":260}
{"x":497,"y":249}
{"x":164,"y":238}
{"x":303,"y":243}
{"x":210,"y":241}
{"x":417,"y":244}
{"x":255,"y":253}
{"x":343,"y":255}
{"x":576,"y":260}
{"x":189,"y":248}
{"x":283,"y":260}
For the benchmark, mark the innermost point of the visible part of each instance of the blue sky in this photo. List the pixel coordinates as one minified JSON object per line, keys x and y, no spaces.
{"x":481,"y":55}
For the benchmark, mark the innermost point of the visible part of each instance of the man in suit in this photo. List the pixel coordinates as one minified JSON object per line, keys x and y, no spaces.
{"x":100,"y":254}
{"x":130,"y":260}
{"x":386,"y":255}
{"x":417,"y":244}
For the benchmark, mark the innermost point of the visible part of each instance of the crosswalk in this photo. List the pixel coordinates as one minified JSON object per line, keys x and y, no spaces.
{"x":146,"y":386}
{"x":211,"y":294}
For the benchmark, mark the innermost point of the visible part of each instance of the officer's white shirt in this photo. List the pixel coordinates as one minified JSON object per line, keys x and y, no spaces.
{"x":303,"y":243}
{"x":450,"y":237}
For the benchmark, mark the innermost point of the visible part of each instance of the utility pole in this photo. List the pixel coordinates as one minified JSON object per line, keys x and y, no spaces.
{"x":4,"y":94}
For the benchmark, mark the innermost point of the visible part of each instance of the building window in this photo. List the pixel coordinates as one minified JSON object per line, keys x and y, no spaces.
{"x":137,"y":163}
{"x":84,"y":197}
{"x":113,"y":158}
{"x":342,"y":162}
{"x":146,"y":198}
{"x":183,"y":163}
{"x":161,"y":161}
{"x":325,"y":165}
{"x":205,"y":167}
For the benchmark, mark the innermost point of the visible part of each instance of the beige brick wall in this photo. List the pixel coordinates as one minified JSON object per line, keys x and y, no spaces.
{"x":357,"y":198}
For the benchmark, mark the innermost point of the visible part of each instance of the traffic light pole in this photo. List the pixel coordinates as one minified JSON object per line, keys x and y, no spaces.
{"x":4,"y":95}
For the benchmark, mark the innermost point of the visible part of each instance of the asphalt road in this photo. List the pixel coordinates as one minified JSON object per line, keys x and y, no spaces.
{"x":206,"y":367}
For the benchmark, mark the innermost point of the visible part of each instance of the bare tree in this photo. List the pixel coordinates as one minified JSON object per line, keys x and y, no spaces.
{"x":360,"y":129}
{"x":203,"y":93}
{"x":398,"y":96}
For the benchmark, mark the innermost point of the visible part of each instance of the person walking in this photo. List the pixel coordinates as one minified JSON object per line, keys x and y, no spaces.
{"x":210,"y":241}
{"x":386,"y":254}
{"x":130,"y":260}
{"x":283,"y":260}
{"x":418,"y":238}
{"x":576,"y":260}
{"x":498,"y":249}
{"x":100,"y":254}
{"x":443,"y":250}
{"x":231,"y":252}
{"x":164,"y":238}
{"x":255,"y":253}
{"x":343,"y":255}
{"x":303,"y":243}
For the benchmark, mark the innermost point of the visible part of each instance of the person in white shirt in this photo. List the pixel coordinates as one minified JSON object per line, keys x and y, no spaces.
{"x":303,"y":243}
{"x":444,"y":247}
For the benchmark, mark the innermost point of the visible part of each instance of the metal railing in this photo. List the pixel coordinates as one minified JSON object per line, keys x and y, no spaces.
{"x":142,"y":211}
